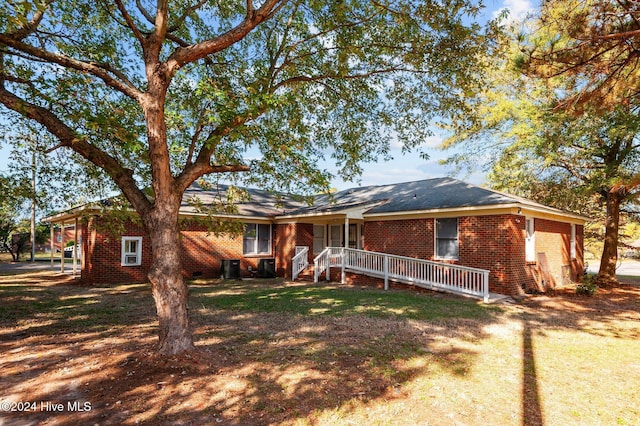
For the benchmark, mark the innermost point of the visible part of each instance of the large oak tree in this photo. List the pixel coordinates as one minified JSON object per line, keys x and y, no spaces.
{"x":159,"y":94}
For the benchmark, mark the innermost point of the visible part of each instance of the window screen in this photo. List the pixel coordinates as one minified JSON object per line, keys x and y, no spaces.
{"x":447,"y":238}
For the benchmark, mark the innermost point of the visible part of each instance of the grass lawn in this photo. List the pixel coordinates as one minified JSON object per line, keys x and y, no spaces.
{"x":273,"y":353}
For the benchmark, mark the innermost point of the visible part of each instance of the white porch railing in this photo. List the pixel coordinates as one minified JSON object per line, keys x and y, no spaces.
{"x":422,"y":273}
{"x":322,"y":263}
{"x":300,"y":261}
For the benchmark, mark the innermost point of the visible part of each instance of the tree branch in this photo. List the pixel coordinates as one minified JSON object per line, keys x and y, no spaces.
{"x":202,"y":164}
{"x":32,"y":25}
{"x":162,"y":16}
{"x":184,"y":15}
{"x":68,"y":138}
{"x":102,"y":71}
{"x":185,"y":55}
{"x":129,"y":21}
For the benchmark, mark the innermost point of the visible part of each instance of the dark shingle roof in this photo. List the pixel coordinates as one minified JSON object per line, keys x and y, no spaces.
{"x":260,"y":203}
{"x":422,"y":195}
{"x":430,"y":194}
{"x":418,"y":196}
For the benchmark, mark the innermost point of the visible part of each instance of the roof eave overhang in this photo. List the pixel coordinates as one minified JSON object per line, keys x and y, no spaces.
{"x":227,"y":216}
{"x":491,"y":209}
{"x":358,"y":212}
{"x":72,"y":214}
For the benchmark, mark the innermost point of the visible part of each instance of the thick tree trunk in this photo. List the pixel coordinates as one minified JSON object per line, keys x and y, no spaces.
{"x":170,"y":291}
{"x":609,"y":259}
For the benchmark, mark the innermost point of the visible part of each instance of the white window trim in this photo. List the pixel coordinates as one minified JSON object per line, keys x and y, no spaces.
{"x":255,"y":240}
{"x":573,"y":249}
{"x":435,"y":239}
{"x":137,"y":253}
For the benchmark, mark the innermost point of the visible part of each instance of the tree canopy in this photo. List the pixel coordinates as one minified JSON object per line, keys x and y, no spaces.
{"x":279,"y":83}
{"x":594,"y":43}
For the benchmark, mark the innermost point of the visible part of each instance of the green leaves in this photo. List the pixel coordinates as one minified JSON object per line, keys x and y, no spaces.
{"x":521,"y":129}
{"x":339,"y":80}
{"x":591,"y":42}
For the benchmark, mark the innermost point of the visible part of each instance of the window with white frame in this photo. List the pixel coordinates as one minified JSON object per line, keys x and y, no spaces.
{"x":530,"y":241}
{"x":573,"y":241}
{"x":447,"y":238}
{"x":131,"y":251}
{"x":257,"y":238}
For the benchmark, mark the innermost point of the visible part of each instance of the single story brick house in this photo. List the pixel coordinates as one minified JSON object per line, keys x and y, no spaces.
{"x":524,"y":245}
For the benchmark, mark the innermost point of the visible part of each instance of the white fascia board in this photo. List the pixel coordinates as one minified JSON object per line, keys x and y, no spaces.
{"x":72,"y":213}
{"x":351,"y":213}
{"x":510,"y":208}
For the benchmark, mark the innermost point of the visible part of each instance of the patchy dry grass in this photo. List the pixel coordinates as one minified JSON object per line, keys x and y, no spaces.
{"x":278,"y":353}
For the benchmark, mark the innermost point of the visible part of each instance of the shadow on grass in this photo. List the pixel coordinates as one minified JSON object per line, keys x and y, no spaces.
{"x":603,"y":314}
{"x":265,"y":355}
{"x":531,"y":399}
{"x":611,"y":313}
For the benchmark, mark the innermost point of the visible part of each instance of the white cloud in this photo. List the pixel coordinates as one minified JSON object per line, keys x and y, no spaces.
{"x":518,"y":9}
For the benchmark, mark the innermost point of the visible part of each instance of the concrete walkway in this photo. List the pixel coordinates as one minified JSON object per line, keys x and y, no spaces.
{"x":629,"y":267}
{"x":26,"y":266}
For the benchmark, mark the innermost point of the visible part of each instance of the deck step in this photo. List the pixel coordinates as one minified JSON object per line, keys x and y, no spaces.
{"x":307,"y":275}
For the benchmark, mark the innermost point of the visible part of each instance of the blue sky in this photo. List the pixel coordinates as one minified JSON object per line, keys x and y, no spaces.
{"x":409,"y":167}
{"x":405,"y":167}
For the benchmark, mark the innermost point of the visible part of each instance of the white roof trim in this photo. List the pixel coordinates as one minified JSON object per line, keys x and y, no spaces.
{"x":538,"y":209}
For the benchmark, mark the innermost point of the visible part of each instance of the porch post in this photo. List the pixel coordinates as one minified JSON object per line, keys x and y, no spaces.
{"x":386,"y":272}
{"x":75,"y":247}
{"x":346,"y":232}
{"x":51,"y":247}
{"x":62,"y":247}
{"x":343,"y":277}
{"x":485,"y":289}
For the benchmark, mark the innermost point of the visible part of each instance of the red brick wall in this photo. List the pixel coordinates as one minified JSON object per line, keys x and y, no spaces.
{"x":202,"y":254}
{"x":102,"y":255}
{"x":411,"y":238}
{"x":287,"y":237}
{"x":496,"y":243}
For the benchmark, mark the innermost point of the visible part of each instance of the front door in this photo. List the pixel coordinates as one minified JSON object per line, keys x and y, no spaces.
{"x":335,"y":235}
{"x":319,"y":241}
{"x":353,"y":236}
